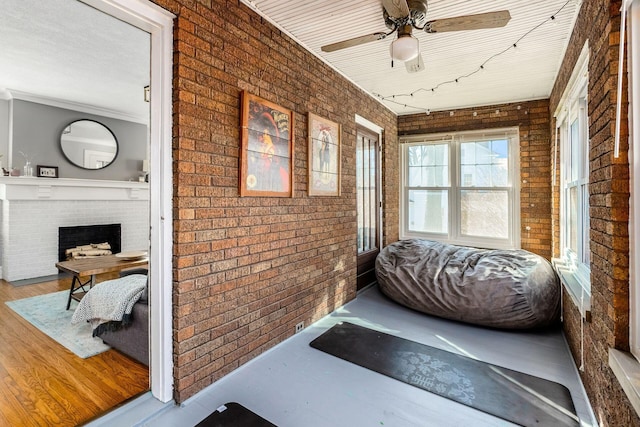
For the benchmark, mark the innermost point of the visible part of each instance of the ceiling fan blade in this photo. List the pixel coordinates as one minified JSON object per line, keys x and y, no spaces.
{"x":353,"y":42}
{"x":396,"y":8}
{"x":469,"y":22}
{"x":415,"y":65}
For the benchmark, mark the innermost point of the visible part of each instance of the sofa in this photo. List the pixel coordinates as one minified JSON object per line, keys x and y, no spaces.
{"x":132,"y":339}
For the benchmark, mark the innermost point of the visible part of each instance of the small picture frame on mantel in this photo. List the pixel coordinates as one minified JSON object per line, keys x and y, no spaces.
{"x":47,"y":171}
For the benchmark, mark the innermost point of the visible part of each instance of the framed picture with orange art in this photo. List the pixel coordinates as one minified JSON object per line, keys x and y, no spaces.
{"x":324,"y":156}
{"x":266,"y":151}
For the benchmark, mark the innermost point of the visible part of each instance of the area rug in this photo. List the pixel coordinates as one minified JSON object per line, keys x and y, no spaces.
{"x":47,"y":313}
{"x":514,"y":396}
{"x":233,"y":415}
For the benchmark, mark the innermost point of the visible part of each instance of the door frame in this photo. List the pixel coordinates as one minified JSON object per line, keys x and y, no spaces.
{"x":376,"y":130}
{"x":159,"y":24}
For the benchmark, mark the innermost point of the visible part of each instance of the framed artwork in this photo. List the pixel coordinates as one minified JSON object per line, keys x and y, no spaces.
{"x":266,"y":152}
{"x":324,"y":157}
{"x":47,"y":171}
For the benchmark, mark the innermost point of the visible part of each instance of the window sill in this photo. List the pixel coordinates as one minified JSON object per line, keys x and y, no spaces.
{"x":578,"y":292}
{"x":487,"y":243}
{"x":627,"y":370}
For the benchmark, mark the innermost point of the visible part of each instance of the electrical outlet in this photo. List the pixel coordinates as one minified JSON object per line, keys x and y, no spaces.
{"x":299,"y":327}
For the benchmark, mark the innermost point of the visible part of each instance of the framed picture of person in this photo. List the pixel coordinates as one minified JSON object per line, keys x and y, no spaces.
{"x":266,"y":152}
{"x":324,"y":156}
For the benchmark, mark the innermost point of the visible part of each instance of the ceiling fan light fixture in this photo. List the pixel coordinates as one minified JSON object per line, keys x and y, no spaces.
{"x":404,"y":48}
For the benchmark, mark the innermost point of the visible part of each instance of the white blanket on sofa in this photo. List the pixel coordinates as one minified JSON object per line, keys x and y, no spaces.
{"x":110,"y":301}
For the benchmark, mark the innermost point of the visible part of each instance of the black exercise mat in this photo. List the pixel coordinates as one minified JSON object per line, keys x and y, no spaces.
{"x":234,"y":415}
{"x":520,"y":398}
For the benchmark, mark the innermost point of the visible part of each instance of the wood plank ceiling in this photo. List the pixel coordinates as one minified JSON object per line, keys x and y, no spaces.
{"x":525,"y":72}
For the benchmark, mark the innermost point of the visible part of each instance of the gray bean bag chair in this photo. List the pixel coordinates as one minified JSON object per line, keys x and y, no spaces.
{"x":509,"y":289}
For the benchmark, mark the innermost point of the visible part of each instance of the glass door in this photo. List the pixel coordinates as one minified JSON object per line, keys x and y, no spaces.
{"x":368,"y":204}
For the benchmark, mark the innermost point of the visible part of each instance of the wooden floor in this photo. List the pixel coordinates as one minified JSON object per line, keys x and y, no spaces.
{"x":44,"y":384}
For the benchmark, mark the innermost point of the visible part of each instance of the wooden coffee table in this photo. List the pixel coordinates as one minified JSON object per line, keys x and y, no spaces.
{"x":81,"y":268}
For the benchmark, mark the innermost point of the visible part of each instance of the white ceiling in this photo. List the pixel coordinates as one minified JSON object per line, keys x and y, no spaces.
{"x":66,"y":50}
{"x":525,"y":73}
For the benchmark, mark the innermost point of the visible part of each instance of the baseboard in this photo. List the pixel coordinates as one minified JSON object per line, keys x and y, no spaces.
{"x":41,"y":279}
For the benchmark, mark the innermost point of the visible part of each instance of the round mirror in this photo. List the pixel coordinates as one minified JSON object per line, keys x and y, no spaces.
{"x":88,"y":144}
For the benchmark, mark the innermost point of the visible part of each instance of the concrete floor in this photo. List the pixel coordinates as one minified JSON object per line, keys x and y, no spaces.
{"x":296,"y":385}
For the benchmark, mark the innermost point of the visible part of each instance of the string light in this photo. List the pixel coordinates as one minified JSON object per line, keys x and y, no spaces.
{"x":514,"y":46}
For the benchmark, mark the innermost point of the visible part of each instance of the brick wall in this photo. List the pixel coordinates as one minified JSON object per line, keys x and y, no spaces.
{"x":391,"y":190}
{"x":246,"y":270}
{"x":599,"y":23}
{"x":532,"y":119}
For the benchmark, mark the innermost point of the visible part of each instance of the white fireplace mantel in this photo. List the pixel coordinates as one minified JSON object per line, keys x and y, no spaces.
{"x":33,"y":188}
{"x":33,"y":209}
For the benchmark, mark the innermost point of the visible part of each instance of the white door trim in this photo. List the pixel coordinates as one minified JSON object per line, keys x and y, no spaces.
{"x":159,"y":23}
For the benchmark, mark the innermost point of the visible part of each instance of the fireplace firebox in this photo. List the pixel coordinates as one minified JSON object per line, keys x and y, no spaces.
{"x":70,"y":237}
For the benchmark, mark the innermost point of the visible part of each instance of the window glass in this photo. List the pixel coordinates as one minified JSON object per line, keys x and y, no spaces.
{"x":484,"y":213}
{"x":572,"y":222}
{"x":428,"y":165}
{"x":574,"y":147}
{"x":484,"y":164}
{"x":429,"y":211}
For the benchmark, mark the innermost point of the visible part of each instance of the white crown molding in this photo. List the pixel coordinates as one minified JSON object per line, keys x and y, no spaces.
{"x":75,"y":106}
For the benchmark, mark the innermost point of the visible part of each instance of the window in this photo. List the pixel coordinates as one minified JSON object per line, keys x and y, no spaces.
{"x":633,"y":60}
{"x":460,"y":188}
{"x":625,"y":368}
{"x":367,"y":200}
{"x":573,"y":136}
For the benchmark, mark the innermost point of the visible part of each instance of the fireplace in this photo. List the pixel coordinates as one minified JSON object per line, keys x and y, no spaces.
{"x":70,"y":237}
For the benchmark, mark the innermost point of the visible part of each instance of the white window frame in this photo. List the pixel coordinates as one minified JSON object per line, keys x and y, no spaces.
{"x":625,"y":366}
{"x":454,"y":234}
{"x":633,"y":62}
{"x":572,"y":266}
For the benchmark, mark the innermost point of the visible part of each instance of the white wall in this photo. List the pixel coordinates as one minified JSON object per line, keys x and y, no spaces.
{"x":36,"y":130}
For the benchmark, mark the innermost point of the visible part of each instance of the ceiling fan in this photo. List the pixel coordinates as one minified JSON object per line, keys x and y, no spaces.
{"x":402,"y":16}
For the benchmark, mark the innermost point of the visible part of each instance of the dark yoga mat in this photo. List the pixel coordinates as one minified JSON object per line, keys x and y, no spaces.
{"x":234,"y":415}
{"x":520,"y":398}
